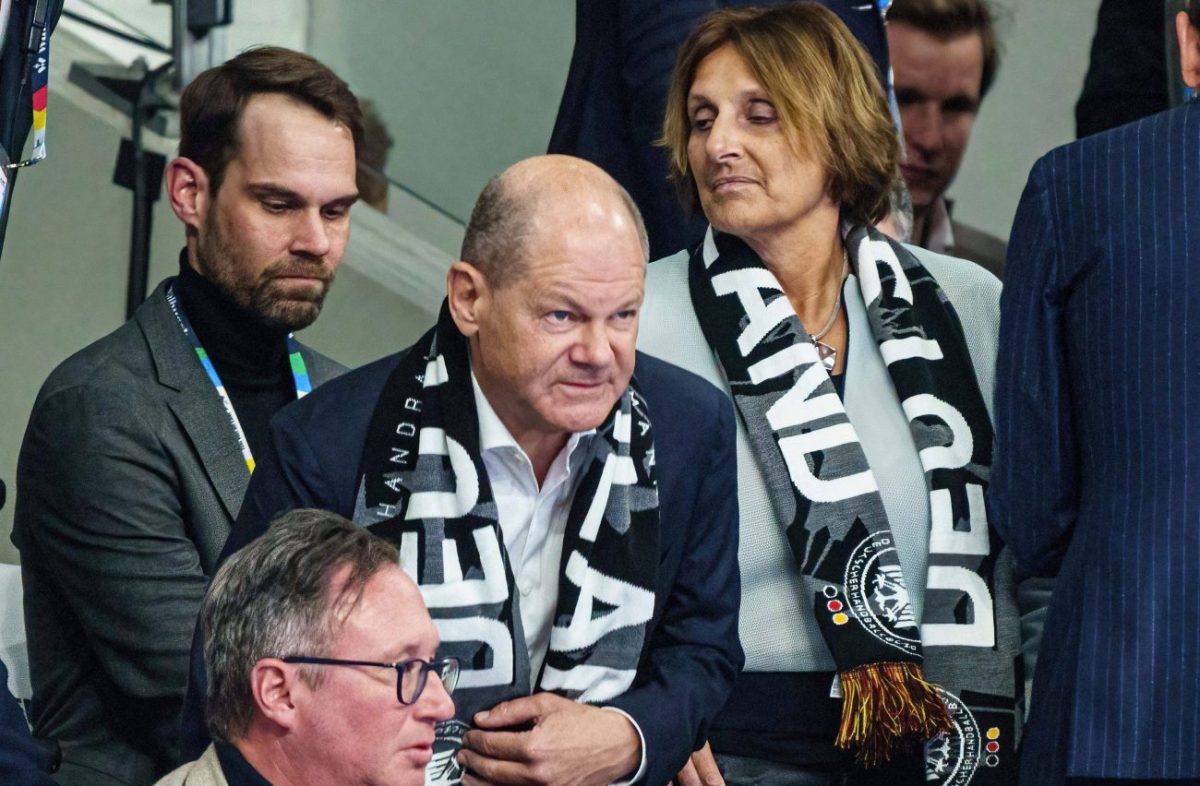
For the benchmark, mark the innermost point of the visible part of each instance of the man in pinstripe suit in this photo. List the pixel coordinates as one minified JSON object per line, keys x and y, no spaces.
{"x":1098,"y":435}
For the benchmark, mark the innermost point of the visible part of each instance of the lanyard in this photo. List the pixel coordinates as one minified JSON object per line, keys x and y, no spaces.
{"x":295,"y":360}
{"x":38,"y":49}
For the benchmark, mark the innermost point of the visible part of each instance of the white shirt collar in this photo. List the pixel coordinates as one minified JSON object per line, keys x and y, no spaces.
{"x":940,"y":233}
{"x":494,"y":435}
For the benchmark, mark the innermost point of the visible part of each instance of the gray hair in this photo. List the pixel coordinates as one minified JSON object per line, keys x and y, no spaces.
{"x":501,"y":226}
{"x":274,"y":598}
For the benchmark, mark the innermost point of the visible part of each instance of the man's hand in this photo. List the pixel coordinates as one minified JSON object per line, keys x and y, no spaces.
{"x":568,"y":744}
{"x":700,"y":770}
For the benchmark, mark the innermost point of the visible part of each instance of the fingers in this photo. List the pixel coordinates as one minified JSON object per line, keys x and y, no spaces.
{"x":516,"y":712}
{"x":504,"y":745}
{"x":481,"y":770}
{"x":687,"y":776}
{"x":706,"y":767}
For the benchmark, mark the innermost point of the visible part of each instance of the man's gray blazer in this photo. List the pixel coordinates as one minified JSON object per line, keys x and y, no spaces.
{"x":128,"y":481}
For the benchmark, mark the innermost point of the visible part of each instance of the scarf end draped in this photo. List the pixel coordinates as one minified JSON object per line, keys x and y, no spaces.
{"x":887,"y":708}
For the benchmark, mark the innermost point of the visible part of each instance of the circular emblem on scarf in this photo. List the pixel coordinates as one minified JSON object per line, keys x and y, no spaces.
{"x":443,"y":769}
{"x":877,"y":595}
{"x":951,"y":758}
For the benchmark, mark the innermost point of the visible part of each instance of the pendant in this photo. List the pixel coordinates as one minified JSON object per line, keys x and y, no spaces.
{"x":827,"y":354}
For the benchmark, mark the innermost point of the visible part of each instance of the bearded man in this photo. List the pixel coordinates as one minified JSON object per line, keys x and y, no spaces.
{"x":140,"y":446}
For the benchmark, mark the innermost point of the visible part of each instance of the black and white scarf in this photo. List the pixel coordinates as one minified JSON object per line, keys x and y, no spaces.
{"x":424,"y":487}
{"x":826,"y":496}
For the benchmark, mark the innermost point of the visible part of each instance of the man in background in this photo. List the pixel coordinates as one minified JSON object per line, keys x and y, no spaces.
{"x":140,"y":446}
{"x":321,"y":657}
{"x":944,"y":57}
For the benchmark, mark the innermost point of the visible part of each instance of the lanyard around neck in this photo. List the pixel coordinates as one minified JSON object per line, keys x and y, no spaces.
{"x":295,"y":362}
{"x":37,"y":54}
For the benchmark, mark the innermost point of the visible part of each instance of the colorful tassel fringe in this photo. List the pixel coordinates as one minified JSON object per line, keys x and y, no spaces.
{"x":888,"y":708}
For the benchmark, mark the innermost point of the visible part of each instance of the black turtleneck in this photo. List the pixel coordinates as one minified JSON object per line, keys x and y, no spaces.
{"x":235,"y":768}
{"x":250,"y":357}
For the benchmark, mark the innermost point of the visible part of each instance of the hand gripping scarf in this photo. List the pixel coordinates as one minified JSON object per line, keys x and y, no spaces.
{"x":829,"y":502}
{"x":424,"y":487}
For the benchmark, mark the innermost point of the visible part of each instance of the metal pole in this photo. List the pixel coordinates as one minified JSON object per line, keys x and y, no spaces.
{"x":139,"y":236}
{"x":181,"y":43}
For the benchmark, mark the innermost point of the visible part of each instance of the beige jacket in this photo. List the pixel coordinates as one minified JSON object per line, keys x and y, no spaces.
{"x":205,"y":771}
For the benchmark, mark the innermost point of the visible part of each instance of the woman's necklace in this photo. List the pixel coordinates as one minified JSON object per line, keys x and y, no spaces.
{"x":827,"y":353}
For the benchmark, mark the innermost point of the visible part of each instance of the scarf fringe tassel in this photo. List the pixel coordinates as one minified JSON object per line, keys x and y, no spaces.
{"x":887,"y":708}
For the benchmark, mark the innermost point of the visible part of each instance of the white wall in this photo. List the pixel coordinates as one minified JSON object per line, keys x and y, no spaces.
{"x":1030,"y":109}
{"x":466,"y":87}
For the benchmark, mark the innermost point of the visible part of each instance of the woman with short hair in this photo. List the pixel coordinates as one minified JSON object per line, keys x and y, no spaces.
{"x":877,"y":604}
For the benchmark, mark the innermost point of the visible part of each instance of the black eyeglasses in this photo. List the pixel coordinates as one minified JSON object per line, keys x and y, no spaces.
{"x":411,"y":674}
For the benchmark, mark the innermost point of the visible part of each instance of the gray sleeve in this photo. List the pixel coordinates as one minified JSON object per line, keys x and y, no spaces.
{"x":99,"y":506}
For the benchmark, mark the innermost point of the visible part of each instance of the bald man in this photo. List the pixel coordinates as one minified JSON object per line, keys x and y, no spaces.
{"x":566,"y":505}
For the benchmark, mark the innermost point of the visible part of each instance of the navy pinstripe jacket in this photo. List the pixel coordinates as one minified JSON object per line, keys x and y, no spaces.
{"x":1097,"y":476}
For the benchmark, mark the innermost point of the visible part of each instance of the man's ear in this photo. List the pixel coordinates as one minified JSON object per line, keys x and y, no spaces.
{"x":1189,"y":50}
{"x":469,"y":296}
{"x":276,"y":688}
{"x":187,"y":188}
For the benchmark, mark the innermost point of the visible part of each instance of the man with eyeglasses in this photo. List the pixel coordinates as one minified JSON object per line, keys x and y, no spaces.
{"x":320,"y":654}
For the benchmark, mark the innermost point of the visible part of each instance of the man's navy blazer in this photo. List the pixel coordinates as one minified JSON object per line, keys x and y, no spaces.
{"x":692,"y":652}
{"x":1098,"y":439}
{"x":21,"y":760}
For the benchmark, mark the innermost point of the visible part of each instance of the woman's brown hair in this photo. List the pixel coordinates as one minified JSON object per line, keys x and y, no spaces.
{"x":825,"y":88}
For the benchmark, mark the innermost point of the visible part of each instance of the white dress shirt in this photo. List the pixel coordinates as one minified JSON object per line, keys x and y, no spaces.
{"x":939,"y":234}
{"x":533,"y":521}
